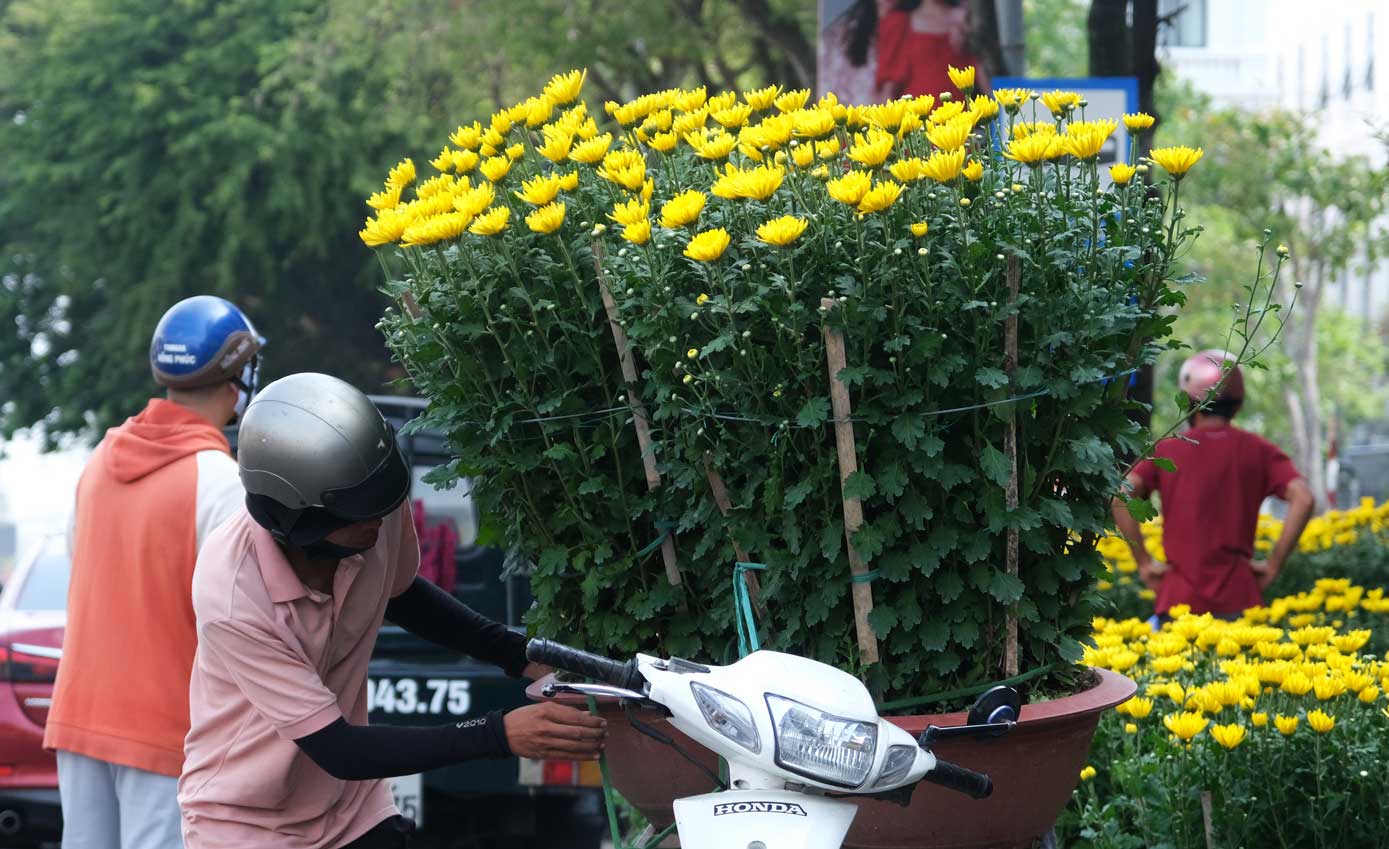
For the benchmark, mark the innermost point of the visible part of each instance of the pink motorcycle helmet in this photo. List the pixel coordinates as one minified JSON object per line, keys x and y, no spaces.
{"x":1203,"y":372}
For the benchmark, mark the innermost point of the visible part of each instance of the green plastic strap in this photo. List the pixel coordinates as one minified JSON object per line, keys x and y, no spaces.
{"x":965,"y":691}
{"x":865,"y":577}
{"x":665,"y":526}
{"x":742,"y":609}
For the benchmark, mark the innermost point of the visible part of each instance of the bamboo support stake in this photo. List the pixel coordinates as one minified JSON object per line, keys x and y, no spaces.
{"x":725,"y":507}
{"x":1010,"y":449}
{"x":848,"y":464}
{"x":629,"y":374}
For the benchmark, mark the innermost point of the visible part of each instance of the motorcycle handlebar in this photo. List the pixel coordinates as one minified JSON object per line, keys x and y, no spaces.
{"x":973,"y":784}
{"x":591,"y":666}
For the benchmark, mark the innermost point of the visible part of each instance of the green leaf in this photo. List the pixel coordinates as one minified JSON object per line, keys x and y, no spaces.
{"x":815,"y":412}
{"x":883,"y":618}
{"x":948,"y":586}
{"x":797,"y":493}
{"x":892,"y":481}
{"x":1005,"y":588}
{"x":1140,"y":509}
{"x":994,"y":378}
{"x":908,"y":430}
{"x":1056,"y":512}
{"x":995,"y":465}
{"x":560,"y":451}
{"x":859,"y":485}
{"x":1165,"y":464}
{"x":935,"y":634}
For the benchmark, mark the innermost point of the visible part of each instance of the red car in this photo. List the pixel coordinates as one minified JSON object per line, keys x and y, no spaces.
{"x":33,"y":610}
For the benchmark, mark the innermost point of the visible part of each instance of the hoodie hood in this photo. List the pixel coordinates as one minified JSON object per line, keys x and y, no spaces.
{"x":163,"y":433}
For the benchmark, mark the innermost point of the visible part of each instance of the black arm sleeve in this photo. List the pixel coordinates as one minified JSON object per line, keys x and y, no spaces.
{"x":429,"y":612}
{"x":361,"y":752}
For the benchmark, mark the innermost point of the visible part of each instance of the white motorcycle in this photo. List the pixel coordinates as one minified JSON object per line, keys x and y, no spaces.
{"x":797,"y":735}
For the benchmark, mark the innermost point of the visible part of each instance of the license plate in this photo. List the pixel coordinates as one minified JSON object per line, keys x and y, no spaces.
{"x":408,"y":792}
{"x":446,"y":697}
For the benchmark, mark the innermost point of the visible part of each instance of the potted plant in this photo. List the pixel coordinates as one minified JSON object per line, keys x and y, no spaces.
{"x":879,"y":351}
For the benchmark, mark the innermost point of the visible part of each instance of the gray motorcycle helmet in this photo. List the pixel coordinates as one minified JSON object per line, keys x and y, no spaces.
{"x":316,"y":455}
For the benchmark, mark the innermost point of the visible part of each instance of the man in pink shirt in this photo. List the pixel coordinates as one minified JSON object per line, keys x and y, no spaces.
{"x":289,"y":595}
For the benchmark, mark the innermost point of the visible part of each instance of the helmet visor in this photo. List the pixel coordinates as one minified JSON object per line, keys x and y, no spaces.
{"x":377,"y":495}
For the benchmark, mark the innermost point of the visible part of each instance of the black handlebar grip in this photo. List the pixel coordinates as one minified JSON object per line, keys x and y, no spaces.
{"x":973,"y":784}
{"x":591,"y":666}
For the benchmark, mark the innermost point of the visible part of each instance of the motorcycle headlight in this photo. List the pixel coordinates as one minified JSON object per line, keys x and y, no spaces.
{"x":821,"y":746}
{"x":727,"y":715}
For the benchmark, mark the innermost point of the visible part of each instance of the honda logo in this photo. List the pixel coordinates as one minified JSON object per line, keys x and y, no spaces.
{"x":759,"y":808}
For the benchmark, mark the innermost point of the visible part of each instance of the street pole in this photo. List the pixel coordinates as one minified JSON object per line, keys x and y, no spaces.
{"x":1011,"y":35}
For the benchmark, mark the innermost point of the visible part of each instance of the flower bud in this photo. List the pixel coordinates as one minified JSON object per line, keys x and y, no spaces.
{"x":964,"y":201}
{"x":1282,"y":250}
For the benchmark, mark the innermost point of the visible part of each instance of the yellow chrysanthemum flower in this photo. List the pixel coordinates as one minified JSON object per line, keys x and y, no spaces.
{"x":593,"y":150}
{"x":908,"y":170}
{"x":920,"y":228}
{"x":983,"y":108}
{"x":781,"y":231}
{"x":734,"y":116}
{"x":465,"y":161}
{"x":974,"y":171}
{"x":436,"y":228}
{"x":1176,"y":160}
{"x":387,"y":198}
{"x":569,"y":182}
{"x":546,"y":219}
{"x":1012,"y":99}
{"x":1327,"y":688}
{"x":1121,"y":173}
{"x":495,"y":168}
{"x":1023,"y":129}
{"x":1259,"y":719}
{"x":946,"y":111}
{"x":444,"y":161}
{"x":1137,"y":122}
{"x":491,"y":222}
{"x":1034,"y":149}
{"x":708,"y":246}
{"x":1229,"y":736}
{"x":538,"y":110}
{"x":516,"y":151}
{"x":701,"y":300}
{"x":1130,"y":728}
{"x":813,"y":123}
{"x":1296,"y":684}
{"x":1060,"y":102}
{"x":689,"y":101}
{"x":1185,"y":725}
{"x":945,"y":165}
{"x":803,"y":155}
{"x":1369,"y":695}
{"x":762,"y":98}
{"x":1351,"y":641}
{"x":565,"y":88}
{"x":952,"y":134}
{"x":1286,"y":724}
{"x":539,"y":190}
{"x":683,"y":209}
{"x":663,"y":142}
{"x":1321,"y":721}
{"x":871,"y":148}
{"x":882,"y":196}
{"x":1089,"y":771}
{"x":828,"y":149}
{"x":630,"y":211}
{"x":1085,"y":139}
{"x":626,"y":168}
{"x":850,"y":188}
{"x":473,"y":201}
{"x":921,"y":105}
{"x":792,"y":100}
{"x":467,"y":138}
{"x":963,"y":78}
{"x":638,"y":232}
{"x":711,"y":146}
{"x":386,"y":228}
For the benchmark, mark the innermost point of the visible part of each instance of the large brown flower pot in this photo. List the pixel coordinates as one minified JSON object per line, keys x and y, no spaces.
{"x":1034,"y":769}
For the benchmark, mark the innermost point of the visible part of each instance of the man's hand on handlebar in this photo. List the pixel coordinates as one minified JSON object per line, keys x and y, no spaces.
{"x":553,"y":731}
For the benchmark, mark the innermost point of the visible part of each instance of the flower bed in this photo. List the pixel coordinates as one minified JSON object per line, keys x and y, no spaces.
{"x":1268,"y":731}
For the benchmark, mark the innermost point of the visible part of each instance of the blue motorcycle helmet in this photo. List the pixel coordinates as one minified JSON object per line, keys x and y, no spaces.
{"x":205,"y":340}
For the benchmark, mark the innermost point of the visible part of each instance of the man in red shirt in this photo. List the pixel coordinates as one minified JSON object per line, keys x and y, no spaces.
{"x":1210,"y":501}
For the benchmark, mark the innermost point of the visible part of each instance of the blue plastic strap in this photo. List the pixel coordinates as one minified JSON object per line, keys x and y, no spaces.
{"x":866,"y":577}
{"x":742,"y":609}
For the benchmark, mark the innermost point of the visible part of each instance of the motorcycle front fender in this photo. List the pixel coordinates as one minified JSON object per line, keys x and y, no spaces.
{"x":777,"y":819}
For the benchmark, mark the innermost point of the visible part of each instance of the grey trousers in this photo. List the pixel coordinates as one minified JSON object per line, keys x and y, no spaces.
{"x":108,"y":806}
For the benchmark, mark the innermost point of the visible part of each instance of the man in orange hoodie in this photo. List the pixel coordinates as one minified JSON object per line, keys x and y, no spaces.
{"x":153,"y":490}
